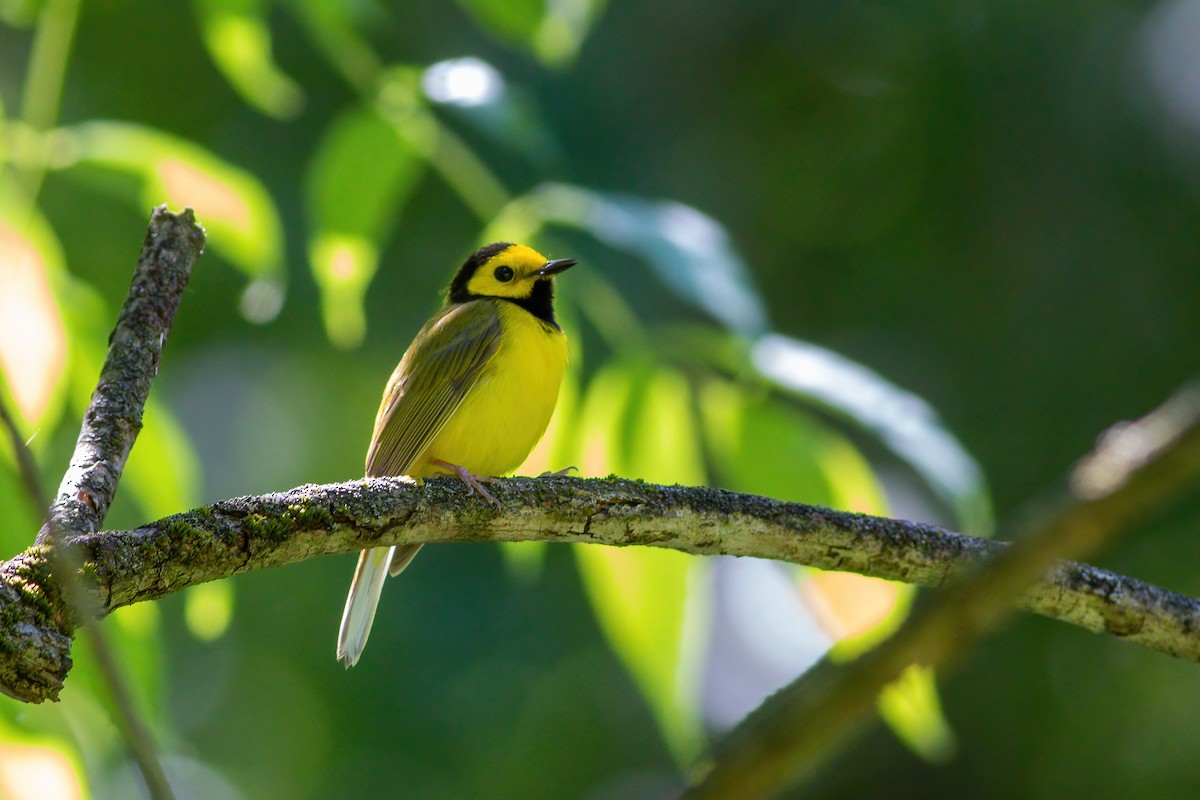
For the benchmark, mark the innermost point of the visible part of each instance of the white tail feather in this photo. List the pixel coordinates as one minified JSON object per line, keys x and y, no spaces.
{"x":361,"y":603}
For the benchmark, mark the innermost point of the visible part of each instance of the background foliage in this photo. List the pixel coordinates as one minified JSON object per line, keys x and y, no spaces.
{"x":776,"y":204}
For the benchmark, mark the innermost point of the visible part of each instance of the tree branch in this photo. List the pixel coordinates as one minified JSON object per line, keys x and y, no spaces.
{"x":1136,"y":469}
{"x":249,"y":533}
{"x":114,"y":416}
{"x":110,"y":425}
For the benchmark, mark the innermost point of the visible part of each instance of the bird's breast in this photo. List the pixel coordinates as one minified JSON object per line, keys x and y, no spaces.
{"x":505,"y":414}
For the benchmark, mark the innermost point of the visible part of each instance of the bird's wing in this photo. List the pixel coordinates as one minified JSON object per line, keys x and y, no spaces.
{"x":441,"y":366}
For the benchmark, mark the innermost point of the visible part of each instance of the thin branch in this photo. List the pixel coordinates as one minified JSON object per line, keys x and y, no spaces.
{"x":34,"y":490}
{"x":114,"y":416}
{"x":1136,"y":469}
{"x":110,"y":426}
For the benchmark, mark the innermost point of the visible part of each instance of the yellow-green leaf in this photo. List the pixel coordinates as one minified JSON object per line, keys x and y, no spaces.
{"x":356,"y":185}
{"x":236,"y":210}
{"x":637,"y":420}
{"x":237,"y":37}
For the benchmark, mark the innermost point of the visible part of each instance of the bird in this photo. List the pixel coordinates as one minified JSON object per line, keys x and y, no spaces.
{"x":471,"y":397}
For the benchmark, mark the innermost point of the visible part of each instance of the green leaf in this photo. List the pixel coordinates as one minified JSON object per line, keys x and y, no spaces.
{"x":899,"y":419}
{"x":357,"y":182}
{"x":472,"y":90}
{"x":564,"y":28}
{"x":20,"y":13}
{"x":237,"y":37}
{"x":237,"y":212}
{"x":514,"y":20}
{"x":690,"y":252}
{"x":912,"y":709}
{"x":761,"y":445}
{"x":163,"y":471}
{"x":638,"y":421}
{"x":208,"y":609}
{"x":553,"y":30}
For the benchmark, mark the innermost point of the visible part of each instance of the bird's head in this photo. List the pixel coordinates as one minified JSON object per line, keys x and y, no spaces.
{"x":510,"y":271}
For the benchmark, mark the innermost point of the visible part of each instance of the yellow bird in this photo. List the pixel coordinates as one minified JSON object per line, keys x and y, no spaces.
{"x":471,"y":397}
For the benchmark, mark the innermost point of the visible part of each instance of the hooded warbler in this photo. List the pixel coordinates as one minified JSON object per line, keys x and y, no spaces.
{"x":471,"y":397}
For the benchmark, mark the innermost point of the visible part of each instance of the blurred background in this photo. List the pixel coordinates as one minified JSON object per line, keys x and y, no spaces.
{"x":896,"y":259}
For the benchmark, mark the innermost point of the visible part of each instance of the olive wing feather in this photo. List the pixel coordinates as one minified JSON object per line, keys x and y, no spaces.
{"x":440,"y":368}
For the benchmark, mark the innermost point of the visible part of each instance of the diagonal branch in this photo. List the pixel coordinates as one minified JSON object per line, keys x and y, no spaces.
{"x":250,"y":533}
{"x":1136,"y":469}
{"x":114,"y":416}
{"x":110,"y":425}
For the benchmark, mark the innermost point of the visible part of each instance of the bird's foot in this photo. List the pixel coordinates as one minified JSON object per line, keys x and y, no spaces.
{"x":558,"y":473}
{"x":474,"y":482}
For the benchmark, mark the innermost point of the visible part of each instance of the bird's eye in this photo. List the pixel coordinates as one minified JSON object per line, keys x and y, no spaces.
{"x":503,"y":274}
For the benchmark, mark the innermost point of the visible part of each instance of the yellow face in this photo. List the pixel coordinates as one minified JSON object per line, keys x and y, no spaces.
{"x":510,"y":273}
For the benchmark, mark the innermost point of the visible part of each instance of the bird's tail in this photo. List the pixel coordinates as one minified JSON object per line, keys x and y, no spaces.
{"x":361,"y":603}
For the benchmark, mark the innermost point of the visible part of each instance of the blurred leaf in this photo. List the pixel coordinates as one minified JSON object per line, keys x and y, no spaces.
{"x":690,"y":252}
{"x":553,"y":30}
{"x":357,"y":182}
{"x":902,"y":421}
{"x":912,"y":709}
{"x":163,"y":472}
{"x":18,"y":521}
{"x":208,"y":609}
{"x":38,"y":766}
{"x":20,"y":13}
{"x":474,"y":91}
{"x":564,"y":28}
{"x":237,"y":212}
{"x":638,"y":421}
{"x":334,"y":27}
{"x":33,"y":340}
{"x":239,"y":41}
{"x":760,"y":445}
{"x":514,"y":20}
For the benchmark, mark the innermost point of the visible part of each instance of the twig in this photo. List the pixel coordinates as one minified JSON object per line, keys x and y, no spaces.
{"x":34,"y":490}
{"x":110,"y":426}
{"x":1135,"y":470}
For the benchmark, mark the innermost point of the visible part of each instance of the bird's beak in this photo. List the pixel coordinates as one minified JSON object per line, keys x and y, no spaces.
{"x":556,"y":266}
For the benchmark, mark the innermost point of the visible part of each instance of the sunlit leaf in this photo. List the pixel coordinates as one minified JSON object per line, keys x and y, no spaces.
{"x":900,"y":419}
{"x":239,"y":41}
{"x":690,"y":252}
{"x":238,"y":214}
{"x":357,"y":182}
{"x":761,"y":445}
{"x":638,"y":421}
{"x":33,"y":341}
